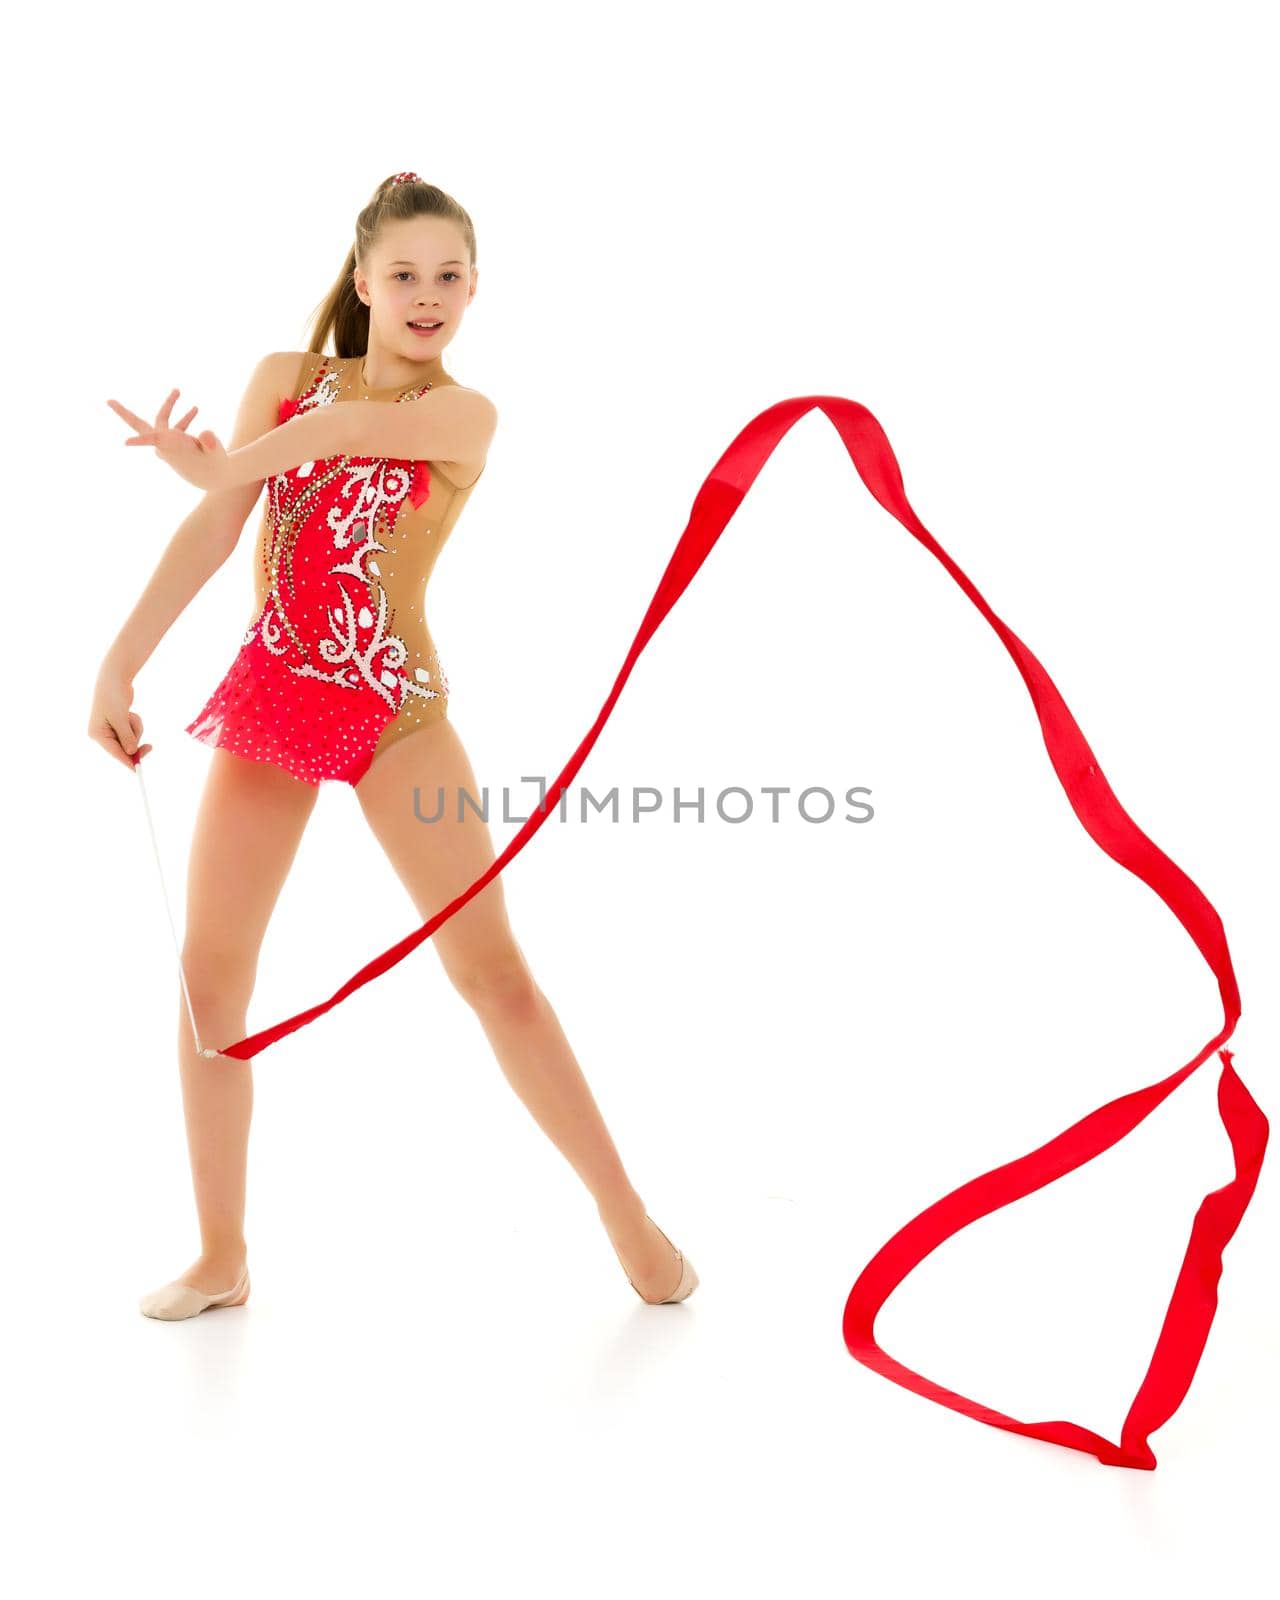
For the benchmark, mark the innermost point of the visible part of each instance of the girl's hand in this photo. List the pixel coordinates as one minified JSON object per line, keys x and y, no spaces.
{"x":200,"y":460}
{"x":112,"y":724}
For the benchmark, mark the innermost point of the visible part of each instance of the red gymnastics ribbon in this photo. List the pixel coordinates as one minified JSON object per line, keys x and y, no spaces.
{"x":1194,"y":1301}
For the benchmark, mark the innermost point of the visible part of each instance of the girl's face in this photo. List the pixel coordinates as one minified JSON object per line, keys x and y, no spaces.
{"x":417,"y":272}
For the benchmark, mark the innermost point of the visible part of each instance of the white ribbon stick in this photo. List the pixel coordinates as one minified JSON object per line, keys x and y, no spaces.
{"x":186,"y":994}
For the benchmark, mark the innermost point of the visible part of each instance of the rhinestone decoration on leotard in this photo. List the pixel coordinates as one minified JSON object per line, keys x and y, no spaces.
{"x":322,"y":672}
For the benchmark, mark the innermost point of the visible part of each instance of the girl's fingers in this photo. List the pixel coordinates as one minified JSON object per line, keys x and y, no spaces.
{"x":114,"y":749}
{"x":161,"y":416}
{"x":135,"y":727}
{"x":149,"y":432}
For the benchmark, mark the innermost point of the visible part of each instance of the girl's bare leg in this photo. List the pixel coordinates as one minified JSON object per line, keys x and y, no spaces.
{"x":436,"y":861}
{"x":248,"y":828}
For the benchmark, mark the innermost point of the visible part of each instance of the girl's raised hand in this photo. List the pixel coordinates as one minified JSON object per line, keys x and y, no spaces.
{"x":199,"y":459}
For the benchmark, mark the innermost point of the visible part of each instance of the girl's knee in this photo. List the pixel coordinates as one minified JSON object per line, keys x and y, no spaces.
{"x":219,"y":980}
{"x":496,"y":984}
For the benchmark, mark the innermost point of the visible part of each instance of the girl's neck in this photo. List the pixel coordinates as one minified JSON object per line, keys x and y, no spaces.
{"x":379,"y":371}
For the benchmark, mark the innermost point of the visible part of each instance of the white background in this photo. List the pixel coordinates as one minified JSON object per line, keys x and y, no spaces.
{"x":1035,"y":242}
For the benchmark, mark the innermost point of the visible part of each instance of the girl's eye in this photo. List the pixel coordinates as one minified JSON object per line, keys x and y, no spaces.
{"x":404,"y":274}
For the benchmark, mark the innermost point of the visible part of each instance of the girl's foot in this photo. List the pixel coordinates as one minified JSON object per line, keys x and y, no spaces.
{"x":211,"y":1280}
{"x":647,"y":1256}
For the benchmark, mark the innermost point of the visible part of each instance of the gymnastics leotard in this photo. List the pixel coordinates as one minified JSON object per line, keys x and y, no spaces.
{"x":338,"y":663}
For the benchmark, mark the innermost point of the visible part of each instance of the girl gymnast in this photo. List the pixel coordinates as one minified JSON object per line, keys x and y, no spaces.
{"x":368,"y":455}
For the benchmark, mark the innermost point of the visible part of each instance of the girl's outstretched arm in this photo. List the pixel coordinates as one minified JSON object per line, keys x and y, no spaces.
{"x":449,"y":424}
{"x":201,"y":544}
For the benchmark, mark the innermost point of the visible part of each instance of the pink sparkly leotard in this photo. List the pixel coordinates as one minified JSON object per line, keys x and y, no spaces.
{"x":338,"y":662}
